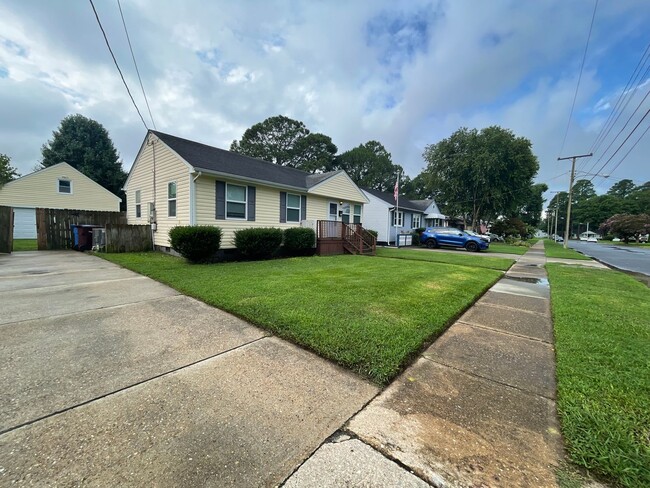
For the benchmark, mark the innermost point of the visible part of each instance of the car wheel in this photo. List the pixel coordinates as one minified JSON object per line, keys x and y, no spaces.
{"x":432,"y":243}
{"x":471,"y":246}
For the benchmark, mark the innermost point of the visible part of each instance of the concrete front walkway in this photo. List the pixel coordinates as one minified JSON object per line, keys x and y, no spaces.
{"x":477,"y":409}
{"x":109,"y":378}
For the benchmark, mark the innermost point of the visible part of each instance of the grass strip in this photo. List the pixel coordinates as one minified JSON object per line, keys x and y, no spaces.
{"x":461,"y":259}
{"x":501,"y":247}
{"x":370,"y":315}
{"x":602,"y":335}
{"x":25,"y":245}
{"x":556,"y":250}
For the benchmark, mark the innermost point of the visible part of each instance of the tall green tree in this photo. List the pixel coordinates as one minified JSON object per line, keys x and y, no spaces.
{"x":556,"y":211}
{"x":621,"y":189}
{"x":7,"y":171}
{"x":531,"y":213}
{"x":287,"y":142}
{"x":582,"y":191}
{"x":483,"y":173}
{"x":85,"y":144}
{"x":370,"y":165}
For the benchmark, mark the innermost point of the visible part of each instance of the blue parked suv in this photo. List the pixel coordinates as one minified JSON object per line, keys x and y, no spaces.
{"x":450,"y":236}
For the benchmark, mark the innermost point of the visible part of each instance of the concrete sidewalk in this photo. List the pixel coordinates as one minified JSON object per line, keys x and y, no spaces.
{"x":477,"y":408}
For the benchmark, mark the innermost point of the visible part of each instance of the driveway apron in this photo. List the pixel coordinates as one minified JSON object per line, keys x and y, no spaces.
{"x":109,"y":378}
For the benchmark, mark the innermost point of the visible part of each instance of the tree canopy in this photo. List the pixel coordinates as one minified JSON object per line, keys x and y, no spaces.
{"x":370,"y":165}
{"x":7,"y":171}
{"x":287,"y":142}
{"x":483,"y":173}
{"x":85,"y":144}
{"x":623,"y":198}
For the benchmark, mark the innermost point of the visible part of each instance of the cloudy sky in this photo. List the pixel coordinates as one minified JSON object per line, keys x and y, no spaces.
{"x":404,"y":73}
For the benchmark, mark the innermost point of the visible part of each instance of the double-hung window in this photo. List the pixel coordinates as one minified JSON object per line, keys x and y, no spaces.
{"x":65,"y":186}
{"x":138,"y":204}
{"x":235,"y":201}
{"x":398,"y":219}
{"x":293,"y":208}
{"x":171,"y":199}
{"x":416,"y":221}
{"x":357,"y":214}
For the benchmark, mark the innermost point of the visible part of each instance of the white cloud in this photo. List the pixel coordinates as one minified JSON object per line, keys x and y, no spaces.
{"x":406,"y":74}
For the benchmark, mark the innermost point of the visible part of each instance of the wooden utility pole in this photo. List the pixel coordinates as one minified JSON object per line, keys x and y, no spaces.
{"x":568,"y":208}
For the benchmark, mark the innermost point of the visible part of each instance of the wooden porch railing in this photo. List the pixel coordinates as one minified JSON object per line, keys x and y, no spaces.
{"x":355,"y":239}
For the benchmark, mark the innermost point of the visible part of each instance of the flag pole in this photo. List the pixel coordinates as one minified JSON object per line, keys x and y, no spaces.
{"x":396,"y":195}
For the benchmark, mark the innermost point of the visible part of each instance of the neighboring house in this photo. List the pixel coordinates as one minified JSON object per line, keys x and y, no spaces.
{"x":59,"y":186}
{"x":382,"y":216}
{"x":432,"y":217}
{"x":175,"y":181}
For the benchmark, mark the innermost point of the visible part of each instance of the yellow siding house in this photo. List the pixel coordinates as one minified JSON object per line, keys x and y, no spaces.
{"x":175,"y":181}
{"x":59,"y":186}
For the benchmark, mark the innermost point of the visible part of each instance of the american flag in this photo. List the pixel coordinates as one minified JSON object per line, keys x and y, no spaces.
{"x":396,"y":190}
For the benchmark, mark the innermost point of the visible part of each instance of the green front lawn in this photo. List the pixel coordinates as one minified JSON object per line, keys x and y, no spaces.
{"x":25,"y":245}
{"x":369,"y":314}
{"x":556,"y":250}
{"x":463,"y":258}
{"x":506,"y":248}
{"x":602,"y":341}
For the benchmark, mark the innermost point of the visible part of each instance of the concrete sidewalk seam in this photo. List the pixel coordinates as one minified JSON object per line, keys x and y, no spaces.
{"x":506,"y":307}
{"x":515,"y":294}
{"x":491,"y":380}
{"x":138,"y":383}
{"x":82,"y":285}
{"x":108,"y":307}
{"x":500,"y":331}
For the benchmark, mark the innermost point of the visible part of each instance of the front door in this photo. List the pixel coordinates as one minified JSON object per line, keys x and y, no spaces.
{"x":333,"y":211}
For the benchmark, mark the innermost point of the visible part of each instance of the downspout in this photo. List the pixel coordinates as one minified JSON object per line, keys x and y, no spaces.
{"x":193,"y":199}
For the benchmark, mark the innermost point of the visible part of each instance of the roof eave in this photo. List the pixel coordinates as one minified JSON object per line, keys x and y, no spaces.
{"x":248,"y":179}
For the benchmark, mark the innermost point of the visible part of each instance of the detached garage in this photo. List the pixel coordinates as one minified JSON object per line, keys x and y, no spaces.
{"x":60,"y":186}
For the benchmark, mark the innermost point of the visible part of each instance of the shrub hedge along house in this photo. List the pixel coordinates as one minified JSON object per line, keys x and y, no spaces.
{"x":175,"y":181}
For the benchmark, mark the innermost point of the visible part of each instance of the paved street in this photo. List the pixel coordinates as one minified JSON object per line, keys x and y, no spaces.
{"x":629,"y":258}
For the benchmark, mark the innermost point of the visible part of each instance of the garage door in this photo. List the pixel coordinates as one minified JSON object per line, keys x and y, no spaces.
{"x":24,"y":223}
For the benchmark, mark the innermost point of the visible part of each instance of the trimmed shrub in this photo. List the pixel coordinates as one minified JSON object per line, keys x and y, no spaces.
{"x":196,"y":243}
{"x":258,"y":243}
{"x":416,"y":238}
{"x":299,"y":241}
{"x":373,"y":232}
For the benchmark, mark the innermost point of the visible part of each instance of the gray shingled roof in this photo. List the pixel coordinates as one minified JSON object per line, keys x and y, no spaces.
{"x":421,"y":204}
{"x":404,"y":203}
{"x":209,"y":158}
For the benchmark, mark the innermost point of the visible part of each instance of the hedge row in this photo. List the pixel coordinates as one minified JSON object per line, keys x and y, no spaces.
{"x":200,"y":243}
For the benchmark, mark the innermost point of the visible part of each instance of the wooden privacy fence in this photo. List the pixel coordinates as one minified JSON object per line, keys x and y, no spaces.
{"x":128,"y":238}
{"x":54,"y":226}
{"x":6,"y":229}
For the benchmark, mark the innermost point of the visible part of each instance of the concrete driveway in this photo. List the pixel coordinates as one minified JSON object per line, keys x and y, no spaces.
{"x":109,"y":378}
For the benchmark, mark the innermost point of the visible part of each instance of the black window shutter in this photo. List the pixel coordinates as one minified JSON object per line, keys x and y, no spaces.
{"x":221,"y":200}
{"x":283,"y":207}
{"x":303,"y":207}
{"x":251,"y":203}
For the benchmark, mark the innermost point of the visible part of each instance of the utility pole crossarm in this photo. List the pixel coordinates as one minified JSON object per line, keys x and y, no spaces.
{"x":568,"y":209}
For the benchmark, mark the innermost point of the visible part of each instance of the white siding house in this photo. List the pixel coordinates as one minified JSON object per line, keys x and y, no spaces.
{"x":388,"y":219}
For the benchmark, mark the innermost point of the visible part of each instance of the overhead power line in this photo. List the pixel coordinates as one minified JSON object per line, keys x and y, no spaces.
{"x":617,"y":110}
{"x":146,"y":101}
{"x":620,"y":131}
{"x":582,"y":65}
{"x":622,"y":143}
{"x":108,"y":45}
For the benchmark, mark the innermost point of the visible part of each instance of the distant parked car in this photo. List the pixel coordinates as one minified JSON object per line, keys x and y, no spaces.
{"x":433,"y":237}
{"x":485,"y":237}
{"x":495,"y":237}
{"x":558,"y":239}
